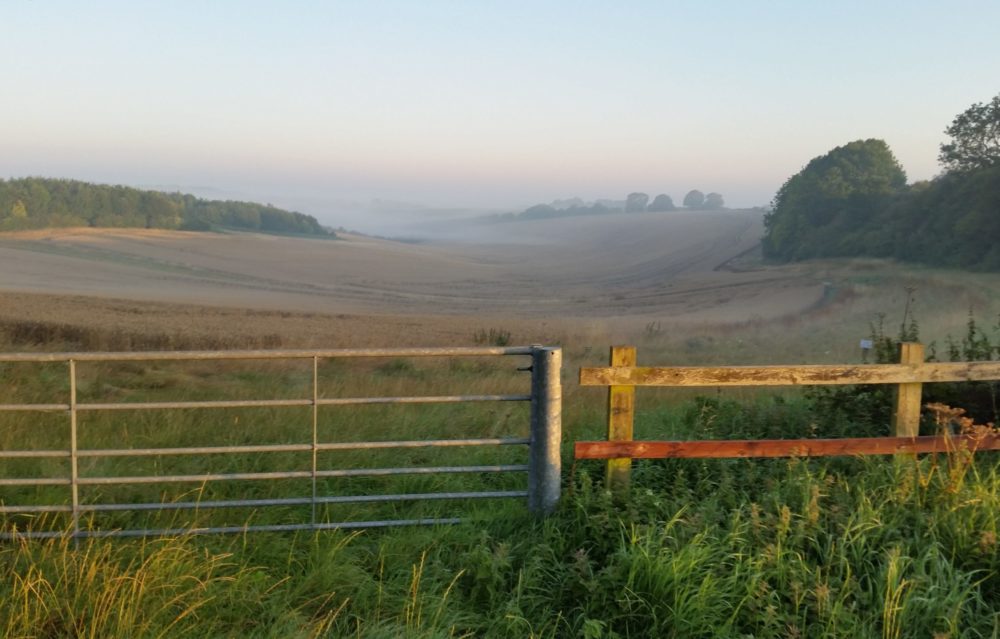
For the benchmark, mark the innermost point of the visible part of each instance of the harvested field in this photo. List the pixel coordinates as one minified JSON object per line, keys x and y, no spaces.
{"x":590,"y":267}
{"x":685,"y":278}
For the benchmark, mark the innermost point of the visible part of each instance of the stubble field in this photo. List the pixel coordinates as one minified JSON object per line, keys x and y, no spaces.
{"x":689,"y":282}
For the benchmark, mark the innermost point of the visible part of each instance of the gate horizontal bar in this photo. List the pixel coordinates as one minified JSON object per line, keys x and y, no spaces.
{"x":279,"y":403}
{"x":255,"y":503}
{"x":4,"y":510}
{"x":271,"y":403}
{"x":22,"y":454}
{"x":265,"y":448}
{"x":41,"y":481}
{"x":492,"y":441}
{"x":287,"y":448}
{"x":440,"y":399}
{"x":161,"y":356}
{"x":295,"y":474}
{"x":30,"y":407}
{"x":176,"y":532}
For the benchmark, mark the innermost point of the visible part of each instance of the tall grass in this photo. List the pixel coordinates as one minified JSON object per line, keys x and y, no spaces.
{"x":891,"y":548}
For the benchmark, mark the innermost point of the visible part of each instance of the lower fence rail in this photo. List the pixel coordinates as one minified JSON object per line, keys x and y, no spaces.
{"x":747,"y":448}
{"x":542,"y":467}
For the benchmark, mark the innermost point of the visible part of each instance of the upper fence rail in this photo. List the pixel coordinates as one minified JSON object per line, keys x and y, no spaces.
{"x":543,"y":465}
{"x":804,"y":375}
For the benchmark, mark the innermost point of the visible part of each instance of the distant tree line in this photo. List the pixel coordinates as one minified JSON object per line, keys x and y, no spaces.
{"x":854,"y":201}
{"x":633,"y":203}
{"x":35,"y":203}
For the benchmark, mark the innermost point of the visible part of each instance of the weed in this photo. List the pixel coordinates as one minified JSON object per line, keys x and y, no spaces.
{"x":492,"y":337}
{"x":652,"y":330}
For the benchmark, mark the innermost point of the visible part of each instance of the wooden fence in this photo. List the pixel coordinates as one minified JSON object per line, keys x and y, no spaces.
{"x":623,"y":375}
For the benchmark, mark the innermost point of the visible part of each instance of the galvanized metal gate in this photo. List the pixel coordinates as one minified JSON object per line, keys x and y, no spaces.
{"x":542,"y":464}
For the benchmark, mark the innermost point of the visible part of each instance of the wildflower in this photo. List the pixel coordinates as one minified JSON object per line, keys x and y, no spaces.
{"x":785,"y":519}
{"x":987,"y":542}
{"x":812,"y":510}
{"x":822,"y":594}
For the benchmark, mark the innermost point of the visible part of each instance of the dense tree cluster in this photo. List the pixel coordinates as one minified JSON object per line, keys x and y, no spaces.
{"x":33,"y":203}
{"x":661,"y":203}
{"x":636,"y":202}
{"x":694,"y":199}
{"x":854,"y":201}
{"x":823,"y":209}
{"x":713,"y":201}
{"x":633,"y":203}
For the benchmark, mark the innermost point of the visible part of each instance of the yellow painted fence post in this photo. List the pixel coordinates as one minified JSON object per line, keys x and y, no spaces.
{"x":621,"y":410}
{"x":906,"y":415}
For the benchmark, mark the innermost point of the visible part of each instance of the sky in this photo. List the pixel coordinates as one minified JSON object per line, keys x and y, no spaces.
{"x":479,"y":104}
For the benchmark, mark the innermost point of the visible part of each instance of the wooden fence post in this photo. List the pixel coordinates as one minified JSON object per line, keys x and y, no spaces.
{"x":621,"y":410}
{"x":906,"y":416}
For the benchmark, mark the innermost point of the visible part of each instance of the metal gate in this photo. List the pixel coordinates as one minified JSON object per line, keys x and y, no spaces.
{"x":542,"y":464}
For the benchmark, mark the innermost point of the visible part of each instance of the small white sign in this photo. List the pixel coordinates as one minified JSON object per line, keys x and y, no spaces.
{"x":866,"y":344}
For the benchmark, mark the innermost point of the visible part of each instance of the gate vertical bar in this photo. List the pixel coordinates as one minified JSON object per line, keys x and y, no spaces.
{"x":315,"y":431}
{"x":74,"y":470}
{"x":545,"y":463}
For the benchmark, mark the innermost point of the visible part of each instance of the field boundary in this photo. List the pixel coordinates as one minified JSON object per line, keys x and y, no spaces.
{"x":623,"y":376}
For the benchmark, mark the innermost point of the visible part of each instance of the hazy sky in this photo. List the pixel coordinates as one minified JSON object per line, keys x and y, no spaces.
{"x":497,"y":104}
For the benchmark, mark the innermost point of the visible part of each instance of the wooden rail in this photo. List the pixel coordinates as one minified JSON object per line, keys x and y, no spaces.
{"x":622,"y":376}
{"x":807,"y":375}
{"x":736,"y":448}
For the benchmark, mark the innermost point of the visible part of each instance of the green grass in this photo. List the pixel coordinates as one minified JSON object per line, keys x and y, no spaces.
{"x":765,"y":549}
{"x":882,"y":547}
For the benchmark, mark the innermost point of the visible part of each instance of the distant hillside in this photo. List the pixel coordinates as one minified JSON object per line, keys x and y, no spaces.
{"x":36,"y":203}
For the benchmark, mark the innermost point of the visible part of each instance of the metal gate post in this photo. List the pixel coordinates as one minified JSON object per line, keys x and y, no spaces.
{"x":545,"y":463}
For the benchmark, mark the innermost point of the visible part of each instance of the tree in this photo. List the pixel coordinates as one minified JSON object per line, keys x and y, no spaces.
{"x":661,"y":203}
{"x":975,"y":138}
{"x":636,"y":202}
{"x":823,"y":209}
{"x":694,"y":199}
{"x":539,"y":211}
{"x":714,"y":201}
{"x":18,"y":211}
